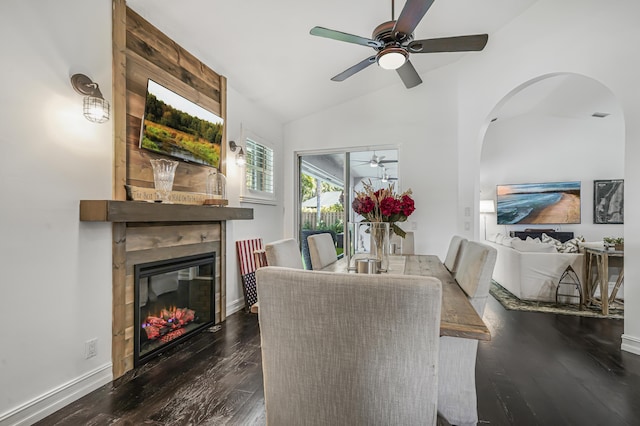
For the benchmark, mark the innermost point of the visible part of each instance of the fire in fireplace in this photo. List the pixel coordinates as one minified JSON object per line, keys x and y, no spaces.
{"x":174,"y":299}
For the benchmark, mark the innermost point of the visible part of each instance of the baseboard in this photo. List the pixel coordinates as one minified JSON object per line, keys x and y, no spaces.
{"x":50,"y":402}
{"x":235,"y":306}
{"x":630,"y":344}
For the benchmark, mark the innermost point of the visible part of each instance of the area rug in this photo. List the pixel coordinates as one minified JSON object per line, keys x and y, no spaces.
{"x":511,"y":302}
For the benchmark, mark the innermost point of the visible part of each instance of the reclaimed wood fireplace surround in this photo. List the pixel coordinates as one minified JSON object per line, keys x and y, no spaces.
{"x":142,"y":231}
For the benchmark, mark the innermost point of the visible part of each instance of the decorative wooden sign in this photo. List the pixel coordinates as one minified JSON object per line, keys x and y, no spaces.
{"x":136,"y":193}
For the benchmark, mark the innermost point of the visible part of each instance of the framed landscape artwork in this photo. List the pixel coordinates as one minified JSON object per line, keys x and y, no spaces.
{"x":539,"y":203}
{"x":608,"y":201}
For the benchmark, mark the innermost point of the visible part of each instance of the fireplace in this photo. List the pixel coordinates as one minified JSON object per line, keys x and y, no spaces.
{"x":174,"y":299}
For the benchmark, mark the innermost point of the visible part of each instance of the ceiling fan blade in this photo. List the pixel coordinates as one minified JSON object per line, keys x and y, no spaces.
{"x":411,"y":15}
{"x":409,"y":75}
{"x":354,"y":69}
{"x":449,"y":44}
{"x":340,"y":36}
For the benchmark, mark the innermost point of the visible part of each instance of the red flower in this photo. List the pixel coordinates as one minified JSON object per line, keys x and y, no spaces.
{"x":390,"y":206}
{"x":363,"y":206}
{"x":408,"y":205}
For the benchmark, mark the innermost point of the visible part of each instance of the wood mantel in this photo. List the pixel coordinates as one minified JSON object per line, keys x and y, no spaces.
{"x":142,"y":211}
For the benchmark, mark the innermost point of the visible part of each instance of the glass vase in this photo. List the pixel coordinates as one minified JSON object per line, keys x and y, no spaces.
{"x":216,"y":185}
{"x":368,"y":240}
{"x":380,"y":244}
{"x":163,"y":173}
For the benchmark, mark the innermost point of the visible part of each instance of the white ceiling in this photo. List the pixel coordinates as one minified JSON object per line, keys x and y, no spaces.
{"x":267,"y":54}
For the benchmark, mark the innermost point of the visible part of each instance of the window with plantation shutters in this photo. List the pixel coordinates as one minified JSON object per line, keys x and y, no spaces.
{"x":258,"y":173}
{"x":259,"y":167}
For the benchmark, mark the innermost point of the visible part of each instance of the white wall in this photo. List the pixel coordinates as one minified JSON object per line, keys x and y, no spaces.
{"x":534,"y":148}
{"x":56,"y":271}
{"x":585,"y":37}
{"x":421,"y":122}
{"x":56,"y":283}
{"x":267,"y":223}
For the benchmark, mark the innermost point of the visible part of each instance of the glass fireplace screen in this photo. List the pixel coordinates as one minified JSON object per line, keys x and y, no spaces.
{"x":174,"y":298}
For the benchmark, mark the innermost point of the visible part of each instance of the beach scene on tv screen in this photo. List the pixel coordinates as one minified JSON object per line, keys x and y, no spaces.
{"x":538,"y":203}
{"x":177,"y":127}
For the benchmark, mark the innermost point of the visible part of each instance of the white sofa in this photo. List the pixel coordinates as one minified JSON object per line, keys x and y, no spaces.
{"x":533,"y":275}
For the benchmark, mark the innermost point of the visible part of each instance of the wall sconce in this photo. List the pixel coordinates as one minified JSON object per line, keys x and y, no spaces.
{"x":95,"y":108}
{"x":240,"y":160}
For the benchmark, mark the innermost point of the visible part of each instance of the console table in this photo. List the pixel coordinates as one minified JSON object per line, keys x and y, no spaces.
{"x":598,"y":260}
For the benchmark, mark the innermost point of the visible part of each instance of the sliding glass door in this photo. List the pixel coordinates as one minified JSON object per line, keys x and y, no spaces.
{"x":327,"y":183}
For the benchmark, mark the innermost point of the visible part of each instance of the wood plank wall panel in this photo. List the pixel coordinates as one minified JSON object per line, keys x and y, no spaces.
{"x":152,"y":243}
{"x":119,"y":61}
{"x":142,"y":238}
{"x":119,"y":317}
{"x":151,"y":54}
{"x":141,"y":51}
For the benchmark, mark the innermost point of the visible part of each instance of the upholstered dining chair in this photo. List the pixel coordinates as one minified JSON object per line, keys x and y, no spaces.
{"x":404,"y":245}
{"x":284,"y":253}
{"x":349,"y":349}
{"x":304,"y":243}
{"x":451,"y":261}
{"x":457,"y":399}
{"x":322,"y":250}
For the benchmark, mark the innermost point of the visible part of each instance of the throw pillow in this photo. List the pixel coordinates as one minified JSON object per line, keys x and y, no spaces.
{"x":492,"y":237}
{"x":507,"y":241}
{"x":550,"y":240}
{"x":499,"y":238}
{"x":533,"y":240}
{"x":534,"y":247}
{"x":571,"y":246}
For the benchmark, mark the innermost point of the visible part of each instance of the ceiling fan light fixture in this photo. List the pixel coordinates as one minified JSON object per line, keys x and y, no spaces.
{"x":391,"y":58}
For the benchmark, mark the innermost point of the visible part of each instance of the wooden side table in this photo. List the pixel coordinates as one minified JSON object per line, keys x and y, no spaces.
{"x":600,"y":259}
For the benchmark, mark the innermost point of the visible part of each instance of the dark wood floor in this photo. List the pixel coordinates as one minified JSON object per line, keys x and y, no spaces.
{"x":538,"y":369}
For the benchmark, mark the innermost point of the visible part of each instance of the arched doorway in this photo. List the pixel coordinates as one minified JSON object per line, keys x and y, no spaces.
{"x":561,"y":127}
{"x":556,"y":128}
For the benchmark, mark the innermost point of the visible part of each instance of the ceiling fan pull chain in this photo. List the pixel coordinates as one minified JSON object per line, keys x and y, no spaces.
{"x":393,"y":7}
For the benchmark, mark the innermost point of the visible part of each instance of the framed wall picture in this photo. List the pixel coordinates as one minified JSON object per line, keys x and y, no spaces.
{"x":608,"y":201}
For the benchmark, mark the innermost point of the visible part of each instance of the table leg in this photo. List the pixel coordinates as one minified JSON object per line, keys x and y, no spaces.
{"x":585,"y":280}
{"x":604,"y":284}
{"x":619,"y":281}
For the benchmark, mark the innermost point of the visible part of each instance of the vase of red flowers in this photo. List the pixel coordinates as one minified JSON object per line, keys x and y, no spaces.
{"x":382,"y":209}
{"x":384,"y":205}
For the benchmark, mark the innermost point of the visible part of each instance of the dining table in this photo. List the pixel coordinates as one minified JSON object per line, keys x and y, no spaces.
{"x":458,"y":318}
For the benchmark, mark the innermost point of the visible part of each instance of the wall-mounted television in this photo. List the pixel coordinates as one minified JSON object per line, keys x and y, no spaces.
{"x":538,"y":203}
{"x":177,"y":127}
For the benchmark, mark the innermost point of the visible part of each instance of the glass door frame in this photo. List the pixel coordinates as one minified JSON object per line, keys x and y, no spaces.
{"x":347,"y":214}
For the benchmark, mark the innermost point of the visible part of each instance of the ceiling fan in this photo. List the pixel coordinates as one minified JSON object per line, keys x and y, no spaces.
{"x":377,"y":161}
{"x":393,"y":42}
{"x":385,"y":176}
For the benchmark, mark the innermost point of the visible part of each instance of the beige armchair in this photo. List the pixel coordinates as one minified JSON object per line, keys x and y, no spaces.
{"x":349,"y":349}
{"x":457,"y":400}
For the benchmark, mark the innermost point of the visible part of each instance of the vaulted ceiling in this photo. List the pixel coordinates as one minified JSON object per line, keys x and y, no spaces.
{"x":267,"y":54}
